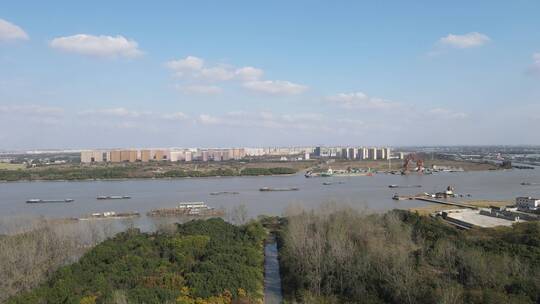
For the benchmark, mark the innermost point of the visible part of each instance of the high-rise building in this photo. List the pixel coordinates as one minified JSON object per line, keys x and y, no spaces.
{"x":91,"y":156}
{"x":352,"y":153}
{"x":161,"y":155}
{"x":381,"y":154}
{"x":115,"y":156}
{"x":177,"y":156}
{"x":388,"y":153}
{"x":188,"y":156}
{"x":204,"y":156}
{"x":373,"y":153}
{"x":146,"y":156}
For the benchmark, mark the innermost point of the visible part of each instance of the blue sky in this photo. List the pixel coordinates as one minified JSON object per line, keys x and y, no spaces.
{"x":250,"y":73}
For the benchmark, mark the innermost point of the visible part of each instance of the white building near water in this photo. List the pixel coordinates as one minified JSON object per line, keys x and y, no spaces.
{"x":527,"y":203}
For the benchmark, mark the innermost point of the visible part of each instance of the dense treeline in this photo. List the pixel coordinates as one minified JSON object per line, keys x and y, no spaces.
{"x":33,"y":248}
{"x":70,"y":173}
{"x":342,"y":256}
{"x":267,"y":171}
{"x":208,"y":261}
{"x":128,"y":171}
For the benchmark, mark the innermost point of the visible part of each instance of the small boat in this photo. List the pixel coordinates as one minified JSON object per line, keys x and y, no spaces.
{"x":42,"y":201}
{"x":393,"y":186}
{"x":112,"y":197}
{"x":264,"y":189}
{"x":327,"y":183}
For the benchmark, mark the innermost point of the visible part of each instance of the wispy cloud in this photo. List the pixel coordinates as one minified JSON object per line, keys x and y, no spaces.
{"x":97,"y":46}
{"x":270,"y":120}
{"x":116,"y":112}
{"x":175,"y":116}
{"x":360,"y":100}
{"x":275,"y":87}
{"x":195,"y":75}
{"x":447,"y":113}
{"x":469,"y":40}
{"x":199,"y":89}
{"x":535,"y":66}
{"x":34,"y":110}
{"x":11,"y":32}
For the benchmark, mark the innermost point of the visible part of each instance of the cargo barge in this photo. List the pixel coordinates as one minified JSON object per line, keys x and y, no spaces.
{"x":187,"y":209}
{"x":265,"y":189}
{"x":224,"y":192}
{"x":42,"y":201}
{"x":109,"y":215}
{"x":112,"y":197}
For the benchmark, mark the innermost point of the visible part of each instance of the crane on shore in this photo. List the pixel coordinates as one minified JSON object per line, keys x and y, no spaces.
{"x":410,"y":160}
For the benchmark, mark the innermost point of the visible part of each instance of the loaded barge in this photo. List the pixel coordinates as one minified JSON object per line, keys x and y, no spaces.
{"x":264,"y":189}
{"x":187,"y":209}
{"x":112,"y":197}
{"x":109,"y":215}
{"x":42,"y":201}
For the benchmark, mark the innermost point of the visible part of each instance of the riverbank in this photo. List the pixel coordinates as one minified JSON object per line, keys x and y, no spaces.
{"x":145,"y":171}
{"x":397,"y":165}
{"x":155,"y":170}
{"x":431,"y":208}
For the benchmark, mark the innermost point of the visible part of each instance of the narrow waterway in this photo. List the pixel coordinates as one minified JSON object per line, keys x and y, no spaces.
{"x":272,"y":278}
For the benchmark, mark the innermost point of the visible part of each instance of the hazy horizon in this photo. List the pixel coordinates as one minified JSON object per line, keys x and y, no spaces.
{"x":207,"y":74}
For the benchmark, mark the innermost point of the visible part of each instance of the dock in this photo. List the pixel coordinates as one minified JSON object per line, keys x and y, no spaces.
{"x":437,"y":201}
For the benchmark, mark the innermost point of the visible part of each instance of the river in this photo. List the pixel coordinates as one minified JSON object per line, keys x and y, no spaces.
{"x":370,"y":193}
{"x":272,"y":278}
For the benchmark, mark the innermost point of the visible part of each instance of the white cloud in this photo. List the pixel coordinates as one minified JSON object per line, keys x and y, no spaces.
{"x":276,"y":87}
{"x":535,"y":67}
{"x":249,"y":73}
{"x":10,"y":32}
{"x":359,"y":100}
{"x":218,"y":73}
{"x":269,"y":120}
{"x":447,"y":113}
{"x":175,"y":116}
{"x":469,"y":40}
{"x":35,"y":110}
{"x":117,"y":112}
{"x":209,"y":119}
{"x":194,"y":73}
{"x":97,"y":46}
{"x":190,"y":63}
{"x":199,"y":89}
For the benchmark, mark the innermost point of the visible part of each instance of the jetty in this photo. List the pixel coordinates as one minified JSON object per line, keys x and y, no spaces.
{"x":450,"y":203}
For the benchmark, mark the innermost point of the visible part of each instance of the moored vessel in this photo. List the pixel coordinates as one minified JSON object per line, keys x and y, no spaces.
{"x":42,"y":201}
{"x":112,"y":197}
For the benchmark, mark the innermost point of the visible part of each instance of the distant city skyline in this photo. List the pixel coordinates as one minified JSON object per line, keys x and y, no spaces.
{"x":243,"y":74}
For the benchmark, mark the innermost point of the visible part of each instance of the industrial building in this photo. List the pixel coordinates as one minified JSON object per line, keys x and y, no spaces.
{"x":527,"y":203}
